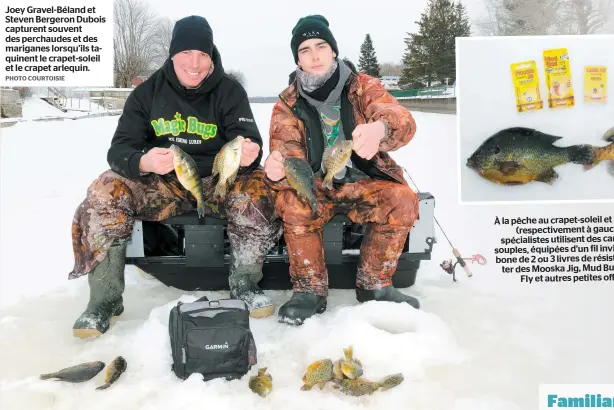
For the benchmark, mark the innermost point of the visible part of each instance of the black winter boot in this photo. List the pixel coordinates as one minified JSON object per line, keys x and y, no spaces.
{"x":243,"y":286}
{"x":107,"y":285}
{"x":387,"y":294}
{"x":300,"y":307}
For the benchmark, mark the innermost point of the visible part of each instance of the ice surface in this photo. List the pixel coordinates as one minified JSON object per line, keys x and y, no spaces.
{"x":481,"y":343}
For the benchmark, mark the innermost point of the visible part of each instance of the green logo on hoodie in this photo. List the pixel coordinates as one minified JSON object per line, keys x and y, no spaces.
{"x":178,"y":125}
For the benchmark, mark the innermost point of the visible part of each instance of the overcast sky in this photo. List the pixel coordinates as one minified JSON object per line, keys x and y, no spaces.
{"x":254,"y":36}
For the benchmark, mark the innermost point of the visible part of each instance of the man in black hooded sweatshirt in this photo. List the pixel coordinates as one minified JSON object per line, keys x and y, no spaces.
{"x":192,"y":103}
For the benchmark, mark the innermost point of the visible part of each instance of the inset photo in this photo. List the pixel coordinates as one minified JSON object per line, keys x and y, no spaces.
{"x":535,"y":118}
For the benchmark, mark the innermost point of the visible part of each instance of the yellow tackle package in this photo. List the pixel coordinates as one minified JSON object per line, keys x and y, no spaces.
{"x":558,"y":78}
{"x":526,"y":86}
{"x":595,"y":84}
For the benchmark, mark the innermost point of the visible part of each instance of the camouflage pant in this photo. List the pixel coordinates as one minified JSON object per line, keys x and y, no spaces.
{"x":387,"y":209}
{"x":113,"y":203}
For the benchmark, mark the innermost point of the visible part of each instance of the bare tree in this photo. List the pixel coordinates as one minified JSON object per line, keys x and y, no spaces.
{"x":162,"y":40}
{"x":544,"y":17}
{"x":586,"y":16}
{"x":133,"y":40}
{"x":238,"y":75}
{"x":391,"y":68}
{"x":520,"y":17}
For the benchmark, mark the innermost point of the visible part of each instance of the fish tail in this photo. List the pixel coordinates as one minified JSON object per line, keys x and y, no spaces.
{"x":581,"y":154}
{"x":201,"y":208}
{"x":47,"y":376}
{"x":314,"y":204}
{"x":602,"y":154}
{"x":609,"y":135}
{"x":104,"y":386}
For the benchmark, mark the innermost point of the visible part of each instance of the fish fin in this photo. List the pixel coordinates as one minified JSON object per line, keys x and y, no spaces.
{"x":509,"y":167}
{"x":341,"y":173}
{"x":327,"y":182}
{"x":548,"y":176}
{"x":322,"y":384}
{"x":232,"y":177}
{"x":609,"y":135}
{"x":306,"y":387}
{"x":348,"y":352}
{"x":104,"y":386}
{"x":611,"y":168}
{"x":581,"y":154}
{"x":314,"y":205}
{"x":47,"y":376}
{"x":220,"y":190}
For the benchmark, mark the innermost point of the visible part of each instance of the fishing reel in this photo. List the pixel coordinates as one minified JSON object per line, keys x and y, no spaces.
{"x":449,"y":266}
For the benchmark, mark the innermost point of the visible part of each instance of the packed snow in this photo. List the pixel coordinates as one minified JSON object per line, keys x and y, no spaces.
{"x":487,"y":104}
{"x":482,"y":343}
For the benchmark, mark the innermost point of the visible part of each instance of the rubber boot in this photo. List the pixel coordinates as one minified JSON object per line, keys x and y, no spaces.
{"x":107,"y":285}
{"x":386,"y":294}
{"x":300,"y":307}
{"x":242,"y":283}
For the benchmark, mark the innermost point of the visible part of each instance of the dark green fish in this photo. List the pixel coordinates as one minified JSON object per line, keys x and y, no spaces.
{"x":115,"y":369}
{"x":76,"y":374}
{"x":520,"y":155}
{"x":300,"y":177}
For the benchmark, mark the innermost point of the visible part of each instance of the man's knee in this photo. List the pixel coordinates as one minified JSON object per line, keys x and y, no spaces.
{"x":292,"y":210}
{"x":252,"y":200}
{"x":407,"y":204}
{"x":109,"y":189}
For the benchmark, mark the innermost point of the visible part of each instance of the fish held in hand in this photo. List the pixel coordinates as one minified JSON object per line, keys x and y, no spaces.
{"x":226,"y":165}
{"x":76,"y":374}
{"x":300,"y":177}
{"x":188,"y":175}
{"x":262,"y":383}
{"x":319,"y":372}
{"x":115,"y":369}
{"x":520,"y":155}
{"x":335,"y":160}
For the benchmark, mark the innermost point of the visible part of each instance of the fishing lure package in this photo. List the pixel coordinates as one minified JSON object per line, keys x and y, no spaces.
{"x":558,"y":78}
{"x":595,"y":84}
{"x":212,"y":338}
{"x":526,"y":86}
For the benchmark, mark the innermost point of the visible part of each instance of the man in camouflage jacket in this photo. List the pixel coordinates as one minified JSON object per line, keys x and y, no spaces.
{"x":325,"y":103}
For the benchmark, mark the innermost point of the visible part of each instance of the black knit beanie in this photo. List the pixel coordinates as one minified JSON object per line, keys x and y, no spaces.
{"x":314,"y":26}
{"x":191,"y":33}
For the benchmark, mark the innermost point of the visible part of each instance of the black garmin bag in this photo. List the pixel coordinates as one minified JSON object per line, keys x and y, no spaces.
{"x":212,"y":338}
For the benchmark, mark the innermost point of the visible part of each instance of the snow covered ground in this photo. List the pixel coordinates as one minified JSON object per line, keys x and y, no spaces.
{"x":483,"y":343}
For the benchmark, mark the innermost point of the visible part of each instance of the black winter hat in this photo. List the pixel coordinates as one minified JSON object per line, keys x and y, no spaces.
{"x":191,"y":33}
{"x":314,"y":26}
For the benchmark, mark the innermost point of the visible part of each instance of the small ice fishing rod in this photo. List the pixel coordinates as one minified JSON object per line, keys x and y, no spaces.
{"x":459,"y":259}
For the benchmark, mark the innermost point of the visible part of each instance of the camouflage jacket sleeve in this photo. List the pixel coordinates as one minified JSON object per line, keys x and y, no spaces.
{"x":378,"y":104}
{"x":286,"y":134}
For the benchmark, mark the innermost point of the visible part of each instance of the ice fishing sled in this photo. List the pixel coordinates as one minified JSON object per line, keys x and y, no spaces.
{"x":191,"y":254}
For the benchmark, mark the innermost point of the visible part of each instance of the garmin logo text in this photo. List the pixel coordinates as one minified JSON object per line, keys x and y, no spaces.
{"x":217,"y":347}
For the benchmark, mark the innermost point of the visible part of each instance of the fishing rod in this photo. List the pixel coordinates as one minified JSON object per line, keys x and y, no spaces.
{"x":447,"y":265}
